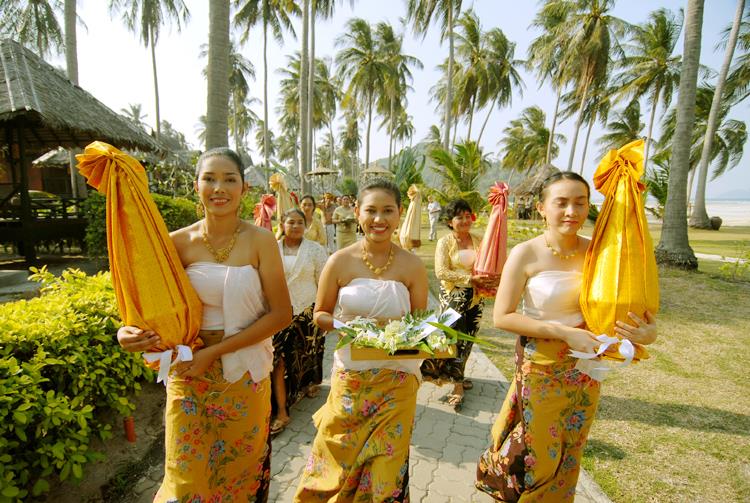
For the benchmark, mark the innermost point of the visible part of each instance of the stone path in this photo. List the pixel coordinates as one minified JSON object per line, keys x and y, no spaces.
{"x":445,"y":444}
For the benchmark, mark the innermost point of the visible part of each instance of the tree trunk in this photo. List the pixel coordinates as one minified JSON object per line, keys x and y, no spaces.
{"x":303,"y":95}
{"x":486,"y":119}
{"x":586,"y":143}
{"x":449,"y":83}
{"x":266,"y":163}
{"x":156,"y":81}
{"x":77,"y":183}
{"x":578,"y":127}
{"x":217,"y":109}
{"x":390,"y":143}
{"x":699,"y":217}
{"x":690,"y":190}
{"x":471,"y":116}
{"x":311,"y":89}
{"x":236,"y":129}
{"x":674,"y":248}
{"x":650,"y":129}
{"x":551,"y":140}
{"x":369,"y":123}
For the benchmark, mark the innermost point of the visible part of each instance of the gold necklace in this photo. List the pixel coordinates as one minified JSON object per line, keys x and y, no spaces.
{"x":223,"y":253}
{"x":559,"y":254}
{"x":377,"y":270}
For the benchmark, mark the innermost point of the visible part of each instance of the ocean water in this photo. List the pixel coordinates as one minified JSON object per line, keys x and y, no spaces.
{"x":731,"y":212}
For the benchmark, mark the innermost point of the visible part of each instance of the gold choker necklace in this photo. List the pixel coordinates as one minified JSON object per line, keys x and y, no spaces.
{"x":221,"y":254}
{"x":377,"y":270}
{"x":559,"y":254}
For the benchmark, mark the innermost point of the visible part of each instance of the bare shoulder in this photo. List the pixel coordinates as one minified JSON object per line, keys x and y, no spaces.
{"x":528,"y":249}
{"x":184,"y":236}
{"x":409,"y":259}
{"x":259,"y":235}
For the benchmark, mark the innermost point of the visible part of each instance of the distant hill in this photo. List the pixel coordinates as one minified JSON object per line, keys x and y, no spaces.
{"x":733,"y":195}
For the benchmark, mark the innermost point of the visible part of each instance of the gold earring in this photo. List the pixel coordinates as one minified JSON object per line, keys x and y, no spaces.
{"x":199,"y":209}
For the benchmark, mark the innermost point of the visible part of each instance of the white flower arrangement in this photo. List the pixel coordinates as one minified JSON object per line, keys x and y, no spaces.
{"x":422,"y":330}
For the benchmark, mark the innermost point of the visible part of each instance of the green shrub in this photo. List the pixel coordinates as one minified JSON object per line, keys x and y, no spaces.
{"x":61,"y":372}
{"x":177,"y":212}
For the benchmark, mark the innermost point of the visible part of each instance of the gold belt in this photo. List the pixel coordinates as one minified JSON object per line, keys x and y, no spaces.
{"x":211,"y":337}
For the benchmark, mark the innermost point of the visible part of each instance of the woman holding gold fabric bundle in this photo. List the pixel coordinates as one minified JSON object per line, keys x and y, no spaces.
{"x":219,"y":404}
{"x":298,"y":349}
{"x":346,"y":223}
{"x":361,"y":450}
{"x":540,"y":433}
{"x":314,"y":230}
{"x":455,"y":255}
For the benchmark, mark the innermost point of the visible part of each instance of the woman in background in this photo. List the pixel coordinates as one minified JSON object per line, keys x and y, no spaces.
{"x":315,"y":231}
{"x":346,"y":223}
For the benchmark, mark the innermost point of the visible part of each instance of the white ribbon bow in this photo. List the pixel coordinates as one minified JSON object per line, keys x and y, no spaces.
{"x":184,"y":354}
{"x":626,"y":350}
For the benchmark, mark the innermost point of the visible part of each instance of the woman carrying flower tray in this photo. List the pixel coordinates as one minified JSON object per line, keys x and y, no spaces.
{"x":361,"y":450}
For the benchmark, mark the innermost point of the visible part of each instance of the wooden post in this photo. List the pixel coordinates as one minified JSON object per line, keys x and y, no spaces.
{"x":27,"y":232}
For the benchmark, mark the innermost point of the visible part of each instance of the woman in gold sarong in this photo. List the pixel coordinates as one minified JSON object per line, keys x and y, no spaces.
{"x":361,"y":450}
{"x":219,"y":403}
{"x":346,"y":223}
{"x":541,"y":431}
{"x":314,"y":229}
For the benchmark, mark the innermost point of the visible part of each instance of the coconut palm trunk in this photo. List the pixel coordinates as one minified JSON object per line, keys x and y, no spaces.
{"x":369,"y":123}
{"x":552,"y":128}
{"x":311,"y":87}
{"x":586,"y":144}
{"x":77,"y":185}
{"x":449,"y":93}
{"x":156,"y":81}
{"x":647,"y":147}
{"x":674,"y":248}
{"x":303,"y":95}
{"x":471,"y":116}
{"x":392,"y":129}
{"x":217,"y":109}
{"x":486,"y":119}
{"x":579,"y":122}
{"x":266,"y":163}
{"x":699,"y":217}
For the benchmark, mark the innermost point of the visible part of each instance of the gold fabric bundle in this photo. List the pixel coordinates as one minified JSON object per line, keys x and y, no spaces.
{"x":619,"y":272}
{"x":284,"y":199}
{"x":152,"y":288}
{"x":409,"y":234}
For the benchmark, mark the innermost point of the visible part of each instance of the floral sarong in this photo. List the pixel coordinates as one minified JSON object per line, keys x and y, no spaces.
{"x":361,"y":451}
{"x":216,"y":440}
{"x":539,"y":435}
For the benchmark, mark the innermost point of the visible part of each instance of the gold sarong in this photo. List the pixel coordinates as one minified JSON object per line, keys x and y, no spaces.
{"x":361,"y":451}
{"x":217,"y":439}
{"x":541,"y":431}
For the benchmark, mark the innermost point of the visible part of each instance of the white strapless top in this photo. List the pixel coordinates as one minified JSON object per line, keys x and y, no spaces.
{"x":232,"y":300}
{"x":373,"y":298}
{"x":553,"y":296}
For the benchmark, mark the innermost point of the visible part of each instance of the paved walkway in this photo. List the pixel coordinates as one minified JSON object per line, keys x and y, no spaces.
{"x":445,"y":444}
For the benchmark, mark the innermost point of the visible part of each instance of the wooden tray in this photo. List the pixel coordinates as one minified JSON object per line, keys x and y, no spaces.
{"x":364,"y":353}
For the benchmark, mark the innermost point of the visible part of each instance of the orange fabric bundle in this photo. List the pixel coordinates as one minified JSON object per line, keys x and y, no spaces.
{"x":493,"y":250}
{"x":619,"y":272}
{"x":152,"y":288}
{"x":263,"y":211}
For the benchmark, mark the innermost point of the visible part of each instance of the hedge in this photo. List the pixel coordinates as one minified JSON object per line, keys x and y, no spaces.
{"x":177,"y":212}
{"x":61,"y":373}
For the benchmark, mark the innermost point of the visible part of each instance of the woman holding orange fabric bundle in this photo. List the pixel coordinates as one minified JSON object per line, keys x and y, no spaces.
{"x":219,"y":404}
{"x":540,"y":433}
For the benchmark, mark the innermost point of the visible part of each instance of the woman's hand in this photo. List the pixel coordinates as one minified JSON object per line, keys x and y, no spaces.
{"x":197,"y":367}
{"x":582,"y":340}
{"x":643,"y":332}
{"x":133,"y":339}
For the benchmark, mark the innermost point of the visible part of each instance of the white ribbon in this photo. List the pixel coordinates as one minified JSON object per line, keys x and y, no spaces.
{"x":184,"y":354}
{"x":626,"y":350}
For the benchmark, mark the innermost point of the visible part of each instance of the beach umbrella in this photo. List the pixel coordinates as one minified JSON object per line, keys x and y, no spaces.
{"x":152,"y":288}
{"x":619,"y":271}
{"x":409,"y":234}
{"x":264,"y":211}
{"x":492,"y":251}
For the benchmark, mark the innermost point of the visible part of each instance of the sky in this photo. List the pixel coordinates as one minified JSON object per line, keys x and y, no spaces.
{"x":116,"y":68}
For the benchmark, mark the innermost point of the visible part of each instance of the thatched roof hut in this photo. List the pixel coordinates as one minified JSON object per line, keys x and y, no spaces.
{"x":57,"y":158}
{"x":55,"y":112}
{"x":532,"y":184}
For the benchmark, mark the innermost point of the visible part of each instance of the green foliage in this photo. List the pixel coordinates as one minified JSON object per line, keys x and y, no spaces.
{"x":461,"y":171}
{"x":657,"y":183}
{"x":740,"y":267}
{"x":177,"y":212}
{"x":61,"y":372}
{"x":520,"y":231}
{"x":407,"y":169}
{"x":348,"y":186}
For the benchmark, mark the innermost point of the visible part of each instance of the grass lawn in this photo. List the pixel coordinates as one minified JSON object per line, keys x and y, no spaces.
{"x":676,"y":427}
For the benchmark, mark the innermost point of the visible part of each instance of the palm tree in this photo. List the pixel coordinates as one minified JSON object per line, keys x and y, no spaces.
{"x":217,"y":109}
{"x":396,"y":82}
{"x":404,"y":128}
{"x":626,"y":127}
{"x":134,"y":113}
{"x":145,"y":18}
{"x":699,"y":217}
{"x":407,"y":169}
{"x":351,"y":141}
{"x":546,"y":52}
{"x":304,"y":96}
{"x":525,"y":142}
{"x":273,"y":14}
{"x":71,"y":44}
{"x":34,"y":24}
{"x":738,"y":82}
{"x":364,"y":67}
{"x":327,"y":94}
{"x":591,"y":34}
{"x":650,"y":67}
{"x":674,"y":248}
{"x":461,"y":171}
{"x":420,"y":13}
